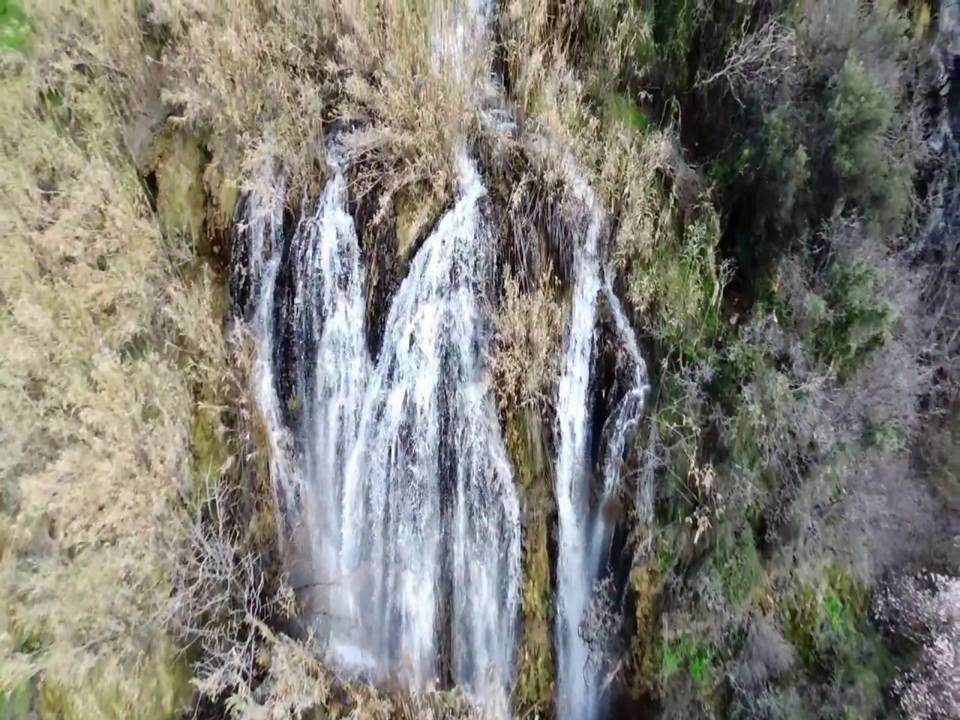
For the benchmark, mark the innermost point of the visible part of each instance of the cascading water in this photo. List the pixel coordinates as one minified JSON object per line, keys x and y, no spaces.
{"x":396,"y":474}
{"x":392,"y":472}
{"x":584,"y":532}
{"x":429,"y":498}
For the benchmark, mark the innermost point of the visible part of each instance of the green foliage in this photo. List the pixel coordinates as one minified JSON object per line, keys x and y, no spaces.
{"x":15,"y":703}
{"x":727,"y":172}
{"x":871,"y":171}
{"x":681,"y":283}
{"x":738,"y":566}
{"x":853,"y":318}
{"x":14,"y":26}
{"x":621,"y":109}
{"x":696,"y":657}
{"x":673,"y":30}
{"x":886,"y":436}
{"x":786,"y":164}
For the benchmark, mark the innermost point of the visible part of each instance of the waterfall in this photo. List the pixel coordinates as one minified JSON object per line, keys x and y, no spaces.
{"x":429,"y":497}
{"x":392,"y":472}
{"x":584,"y":532}
{"x":396,"y":476}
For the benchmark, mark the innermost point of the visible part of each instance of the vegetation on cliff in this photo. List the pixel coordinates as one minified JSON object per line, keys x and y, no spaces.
{"x":781,"y":219}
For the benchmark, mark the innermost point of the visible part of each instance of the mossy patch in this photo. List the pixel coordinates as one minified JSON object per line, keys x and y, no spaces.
{"x":208,"y":445}
{"x":826,"y":623}
{"x":163,"y":689}
{"x":416,"y":207}
{"x":645,"y":584}
{"x":534,"y":689}
{"x":694,"y":656}
{"x":15,"y":703}
{"x":181,"y":193}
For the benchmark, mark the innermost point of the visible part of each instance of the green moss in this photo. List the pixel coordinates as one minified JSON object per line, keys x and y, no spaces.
{"x":694,"y":656}
{"x":181,"y":193}
{"x":416,"y":208}
{"x":888,"y":437}
{"x":15,"y":703}
{"x":534,"y":688}
{"x":645,"y":584}
{"x":208,"y":445}
{"x":669,"y":663}
{"x":621,"y":109}
{"x":159,"y":689}
{"x":826,"y":621}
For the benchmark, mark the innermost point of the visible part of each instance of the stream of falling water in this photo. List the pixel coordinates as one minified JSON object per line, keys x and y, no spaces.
{"x":584,"y":531}
{"x":393,"y":471}
{"x":396,"y":473}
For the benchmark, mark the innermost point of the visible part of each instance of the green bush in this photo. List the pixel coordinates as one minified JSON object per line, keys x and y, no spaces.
{"x":871,"y":170}
{"x":853,"y":318}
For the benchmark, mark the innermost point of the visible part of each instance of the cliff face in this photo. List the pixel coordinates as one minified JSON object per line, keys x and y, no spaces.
{"x":774,"y":199}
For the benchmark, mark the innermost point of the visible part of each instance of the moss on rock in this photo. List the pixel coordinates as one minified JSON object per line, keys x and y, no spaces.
{"x":525,"y":442}
{"x":163,"y":689}
{"x":179,"y":161}
{"x":644,"y":583}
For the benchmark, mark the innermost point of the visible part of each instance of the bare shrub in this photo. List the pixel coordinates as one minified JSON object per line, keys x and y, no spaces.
{"x":221,"y":591}
{"x":766,"y":655}
{"x":926,"y":610}
{"x":759,"y":62}
{"x":601,"y":630}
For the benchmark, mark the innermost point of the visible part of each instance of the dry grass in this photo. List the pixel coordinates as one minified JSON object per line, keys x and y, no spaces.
{"x":527,"y":345}
{"x":266,"y":83}
{"x":103,"y":342}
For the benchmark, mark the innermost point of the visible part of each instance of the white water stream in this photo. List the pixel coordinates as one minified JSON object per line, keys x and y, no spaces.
{"x":392,"y":471}
{"x":584,"y":531}
{"x":401,"y":482}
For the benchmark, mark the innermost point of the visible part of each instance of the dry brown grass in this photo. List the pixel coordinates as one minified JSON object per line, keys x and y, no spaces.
{"x":103,"y":343}
{"x":264,"y":82}
{"x":527,"y":344}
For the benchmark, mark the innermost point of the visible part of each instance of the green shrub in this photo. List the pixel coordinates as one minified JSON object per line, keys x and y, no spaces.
{"x":853,"y":318}
{"x":870,"y":169}
{"x":787,"y":165}
{"x":681,"y":283}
